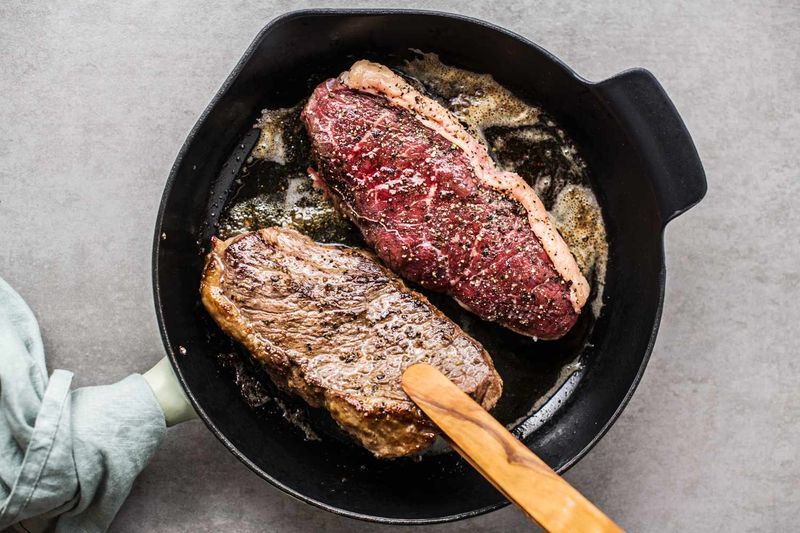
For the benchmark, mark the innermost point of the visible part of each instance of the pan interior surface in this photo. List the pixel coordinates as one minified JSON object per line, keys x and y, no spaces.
{"x":297,"y":449}
{"x":272,"y":188}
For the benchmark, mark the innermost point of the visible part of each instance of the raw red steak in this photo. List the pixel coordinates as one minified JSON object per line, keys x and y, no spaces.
{"x":431,"y":202}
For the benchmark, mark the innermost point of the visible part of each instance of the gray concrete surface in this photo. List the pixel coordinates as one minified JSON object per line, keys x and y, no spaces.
{"x":96,"y":99}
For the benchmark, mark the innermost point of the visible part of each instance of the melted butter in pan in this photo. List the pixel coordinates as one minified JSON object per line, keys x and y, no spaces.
{"x":578,"y":219}
{"x":275,"y":189}
{"x":475,"y":99}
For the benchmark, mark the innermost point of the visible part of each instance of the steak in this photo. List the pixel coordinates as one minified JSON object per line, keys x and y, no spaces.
{"x":434,"y":206}
{"x":332,"y":325}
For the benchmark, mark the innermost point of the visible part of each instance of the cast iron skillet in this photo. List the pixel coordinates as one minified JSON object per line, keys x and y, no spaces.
{"x":645,"y":170}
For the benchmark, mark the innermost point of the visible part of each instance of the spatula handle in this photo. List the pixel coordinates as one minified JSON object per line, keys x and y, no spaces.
{"x":502,"y":459}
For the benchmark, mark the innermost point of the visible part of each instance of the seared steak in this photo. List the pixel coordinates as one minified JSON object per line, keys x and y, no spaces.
{"x":332,"y":325}
{"x":431,"y":202}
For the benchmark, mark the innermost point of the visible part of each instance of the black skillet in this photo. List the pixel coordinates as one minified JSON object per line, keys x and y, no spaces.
{"x":645,"y":171}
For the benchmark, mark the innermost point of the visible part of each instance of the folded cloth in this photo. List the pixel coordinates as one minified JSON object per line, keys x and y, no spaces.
{"x":67,"y":458}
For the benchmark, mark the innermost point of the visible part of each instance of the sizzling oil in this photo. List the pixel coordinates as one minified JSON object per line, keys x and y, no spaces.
{"x":274,"y":189}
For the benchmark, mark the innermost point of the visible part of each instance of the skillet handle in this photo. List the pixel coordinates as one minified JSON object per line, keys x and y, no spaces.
{"x":646,"y":112}
{"x":169,"y":394}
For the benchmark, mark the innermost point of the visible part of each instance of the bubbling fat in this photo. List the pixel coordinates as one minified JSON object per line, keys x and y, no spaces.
{"x":476,"y":100}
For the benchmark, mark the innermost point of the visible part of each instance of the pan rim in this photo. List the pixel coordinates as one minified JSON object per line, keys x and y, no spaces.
{"x":172,"y":178}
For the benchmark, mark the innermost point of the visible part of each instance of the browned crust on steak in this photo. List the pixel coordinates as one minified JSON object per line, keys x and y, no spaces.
{"x":335,"y":327}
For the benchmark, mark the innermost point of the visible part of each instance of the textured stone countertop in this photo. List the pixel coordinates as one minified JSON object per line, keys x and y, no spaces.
{"x":97,"y":99}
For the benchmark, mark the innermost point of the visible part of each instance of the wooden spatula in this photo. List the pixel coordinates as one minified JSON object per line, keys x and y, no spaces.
{"x":502,"y":459}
